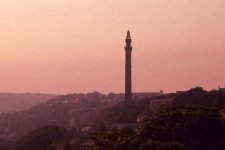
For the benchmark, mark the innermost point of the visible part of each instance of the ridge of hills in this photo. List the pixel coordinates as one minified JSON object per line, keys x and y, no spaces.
{"x":55,"y":111}
{"x":95,"y":108}
{"x":11,"y":102}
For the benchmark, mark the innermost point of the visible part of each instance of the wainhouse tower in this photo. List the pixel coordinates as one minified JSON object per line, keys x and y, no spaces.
{"x":128,"y":85}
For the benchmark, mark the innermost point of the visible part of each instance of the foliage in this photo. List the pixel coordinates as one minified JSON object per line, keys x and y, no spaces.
{"x":41,"y":138}
{"x":114,"y":138}
{"x":91,"y":109}
{"x":158,"y":145}
{"x":124,"y":111}
{"x":199,"y":97}
{"x":67,"y":146}
{"x":198,"y":128}
{"x":170,"y":129}
{"x":4,"y":145}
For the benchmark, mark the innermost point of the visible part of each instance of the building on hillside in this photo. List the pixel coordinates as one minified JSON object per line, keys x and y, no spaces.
{"x":144,"y":95}
{"x":86,"y":131}
{"x":124,"y":125}
{"x":142,"y":116}
{"x":74,"y":119}
{"x":156,"y":104}
{"x":222,"y":90}
{"x":180,"y":92}
{"x":113,"y":98}
{"x":87,"y":145}
{"x":56,"y":147}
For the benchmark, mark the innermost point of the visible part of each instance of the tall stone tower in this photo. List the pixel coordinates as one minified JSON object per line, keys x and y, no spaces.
{"x":128,"y":50}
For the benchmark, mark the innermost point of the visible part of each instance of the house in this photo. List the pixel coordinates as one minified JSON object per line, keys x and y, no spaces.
{"x":222,"y":90}
{"x":156,"y":104}
{"x":87,"y":145}
{"x":125,"y":125}
{"x":144,"y":95}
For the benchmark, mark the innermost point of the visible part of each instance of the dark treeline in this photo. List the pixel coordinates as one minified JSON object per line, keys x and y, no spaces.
{"x":193,"y":121}
{"x":187,"y":128}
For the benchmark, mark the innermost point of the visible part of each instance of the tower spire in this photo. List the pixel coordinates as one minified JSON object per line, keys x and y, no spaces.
{"x":128,"y":34}
{"x":128,"y":84}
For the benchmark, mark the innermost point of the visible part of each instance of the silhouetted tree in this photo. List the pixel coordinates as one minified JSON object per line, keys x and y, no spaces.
{"x":67,"y":146}
{"x":41,"y":138}
{"x":187,"y":128}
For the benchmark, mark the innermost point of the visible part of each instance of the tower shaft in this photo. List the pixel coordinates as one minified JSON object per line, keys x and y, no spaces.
{"x":128,"y":79}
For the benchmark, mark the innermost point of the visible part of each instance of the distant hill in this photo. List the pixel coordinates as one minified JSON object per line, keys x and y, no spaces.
{"x":10,"y":102}
{"x":87,"y":109}
{"x":52,"y":112}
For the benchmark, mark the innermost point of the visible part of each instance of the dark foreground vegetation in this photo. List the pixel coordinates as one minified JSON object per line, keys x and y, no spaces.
{"x":193,"y":121}
{"x":41,"y":139}
{"x":169,"y":129}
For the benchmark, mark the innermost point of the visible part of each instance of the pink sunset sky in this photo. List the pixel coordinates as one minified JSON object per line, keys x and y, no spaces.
{"x":67,"y":46}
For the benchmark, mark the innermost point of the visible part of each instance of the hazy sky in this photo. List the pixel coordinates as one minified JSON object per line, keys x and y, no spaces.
{"x":66,"y":46}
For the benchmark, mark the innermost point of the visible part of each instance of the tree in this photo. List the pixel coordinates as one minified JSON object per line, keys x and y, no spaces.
{"x":67,"y":146}
{"x":186,"y":128}
{"x":4,"y":145}
{"x":41,"y":138}
{"x":194,"y":128}
{"x":115,"y":138}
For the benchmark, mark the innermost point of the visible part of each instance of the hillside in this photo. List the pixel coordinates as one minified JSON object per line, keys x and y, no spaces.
{"x":53,"y":112}
{"x":92,"y":109}
{"x":10,"y":102}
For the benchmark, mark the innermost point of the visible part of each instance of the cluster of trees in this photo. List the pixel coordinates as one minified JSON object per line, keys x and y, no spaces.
{"x":42,"y":138}
{"x":124,"y":112}
{"x":179,"y":127}
{"x":200,"y":97}
{"x":186,"y":128}
{"x":4,"y":145}
{"x":128,"y":112}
